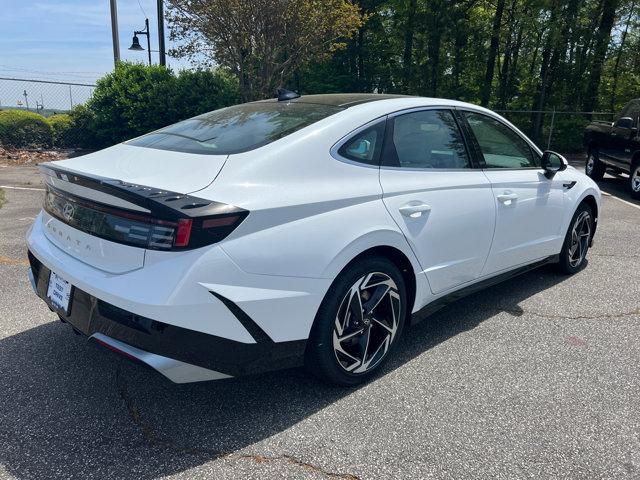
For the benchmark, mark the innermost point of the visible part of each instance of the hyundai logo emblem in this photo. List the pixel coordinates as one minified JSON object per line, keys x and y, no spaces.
{"x":67,"y":211}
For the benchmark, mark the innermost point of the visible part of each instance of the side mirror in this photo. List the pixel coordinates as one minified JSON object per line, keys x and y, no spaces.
{"x":624,"y":122}
{"x":553,"y":163}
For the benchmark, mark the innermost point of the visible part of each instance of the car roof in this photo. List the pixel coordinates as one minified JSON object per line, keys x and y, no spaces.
{"x":343,"y":100}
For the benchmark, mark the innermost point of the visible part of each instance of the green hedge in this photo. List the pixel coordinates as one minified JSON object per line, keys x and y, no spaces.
{"x":23,"y":129}
{"x":62,"y":128}
{"x":135,"y":99}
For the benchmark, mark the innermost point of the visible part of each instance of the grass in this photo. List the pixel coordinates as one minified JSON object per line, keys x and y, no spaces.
{"x":2,"y":199}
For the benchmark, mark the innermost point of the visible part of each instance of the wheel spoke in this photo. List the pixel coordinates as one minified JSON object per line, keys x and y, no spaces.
{"x":379,"y":293}
{"x":385,"y":345}
{"x":572,"y":249}
{"x":364,"y":345}
{"x":382,"y":324}
{"x":350,"y":335}
{"x":352,"y":312}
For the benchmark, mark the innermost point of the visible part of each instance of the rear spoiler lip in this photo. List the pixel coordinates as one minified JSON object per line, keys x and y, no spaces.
{"x":160,"y":203}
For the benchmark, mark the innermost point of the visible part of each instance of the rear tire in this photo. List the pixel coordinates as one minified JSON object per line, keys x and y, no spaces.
{"x":577,"y":240}
{"x":358,"y":323}
{"x":634,"y":181}
{"x":594,"y":167}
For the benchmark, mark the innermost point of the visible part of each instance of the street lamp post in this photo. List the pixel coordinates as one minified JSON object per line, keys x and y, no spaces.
{"x":135,"y":44}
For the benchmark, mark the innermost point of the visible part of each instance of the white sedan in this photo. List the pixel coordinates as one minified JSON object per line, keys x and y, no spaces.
{"x":300,"y":230}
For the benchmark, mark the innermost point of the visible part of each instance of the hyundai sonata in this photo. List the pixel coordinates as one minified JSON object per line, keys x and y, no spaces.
{"x":299,"y":230}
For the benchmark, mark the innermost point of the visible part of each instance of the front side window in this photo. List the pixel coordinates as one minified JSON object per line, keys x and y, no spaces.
{"x":236,"y":129}
{"x":428,"y":139}
{"x":632,"y":110}
{"x":501,"y":147}
{"x":364,"y":147}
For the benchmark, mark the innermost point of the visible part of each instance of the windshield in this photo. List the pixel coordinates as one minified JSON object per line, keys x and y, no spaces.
{"x":235,"y":129}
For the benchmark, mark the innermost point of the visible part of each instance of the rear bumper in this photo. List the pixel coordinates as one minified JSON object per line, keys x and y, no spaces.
{"x":181,"y":354}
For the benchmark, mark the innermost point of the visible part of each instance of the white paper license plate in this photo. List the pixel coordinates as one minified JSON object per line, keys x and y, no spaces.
{"x":59,"y":292}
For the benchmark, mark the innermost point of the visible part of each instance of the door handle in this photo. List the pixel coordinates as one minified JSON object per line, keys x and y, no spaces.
{"x":507,"y":197}
{"x":414,"y":210}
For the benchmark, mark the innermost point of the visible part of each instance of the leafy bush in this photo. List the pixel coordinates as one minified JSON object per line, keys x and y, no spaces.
{"x":61,"y":126}
{"x":202,"y":91}
{"x":83,"y":128}
{"x":23,"y":129}
{"x":130,"y":101}
{"x":135,"y":99}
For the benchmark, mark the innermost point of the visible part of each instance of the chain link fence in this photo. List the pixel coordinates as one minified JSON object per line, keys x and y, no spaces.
{"x":34,"y":113}
{"x":561,"y":131}
{"x":42,"y":96}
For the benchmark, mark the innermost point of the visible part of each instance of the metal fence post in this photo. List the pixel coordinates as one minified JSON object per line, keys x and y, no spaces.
{"x":553,"y":120}
{"x":70,"y":97}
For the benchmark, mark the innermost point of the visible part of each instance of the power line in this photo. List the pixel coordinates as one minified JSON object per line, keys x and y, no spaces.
{"x":142,"y":9}
{"x":26,"y":69}
{"x":47,"y":81}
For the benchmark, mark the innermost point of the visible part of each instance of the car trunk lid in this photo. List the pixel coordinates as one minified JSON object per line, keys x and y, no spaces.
{"x":106,"y":211}
{"x":163,"y":169}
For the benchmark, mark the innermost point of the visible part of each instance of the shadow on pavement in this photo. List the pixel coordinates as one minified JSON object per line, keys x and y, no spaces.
{"x":71,"y":409}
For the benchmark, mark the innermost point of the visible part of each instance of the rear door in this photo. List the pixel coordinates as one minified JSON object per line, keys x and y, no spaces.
{"x":443,"y":205}
{"x":529,"y":206}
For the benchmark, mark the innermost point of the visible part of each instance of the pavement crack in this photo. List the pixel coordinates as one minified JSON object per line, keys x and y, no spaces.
{"x":615,"y":255}
{"x":518,"y":312}
{"x":293,"y":461}
{"x":153,"y":439}
{"x":148,"y":433}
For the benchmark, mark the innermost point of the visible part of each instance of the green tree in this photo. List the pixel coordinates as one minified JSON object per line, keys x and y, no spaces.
{"x":262,"y":42}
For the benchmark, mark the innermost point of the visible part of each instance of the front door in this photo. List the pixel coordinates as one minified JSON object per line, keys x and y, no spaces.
{"x":623,"y":136}
{"x":444,"y":207}
{"x":529,"y":206}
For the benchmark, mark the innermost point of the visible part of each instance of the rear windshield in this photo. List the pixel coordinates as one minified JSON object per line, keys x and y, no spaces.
{"x":235,"y":129}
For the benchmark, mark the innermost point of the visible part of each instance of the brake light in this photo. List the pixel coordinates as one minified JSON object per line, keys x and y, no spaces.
{"x":160,"y":230}
{"x":183,"y":232}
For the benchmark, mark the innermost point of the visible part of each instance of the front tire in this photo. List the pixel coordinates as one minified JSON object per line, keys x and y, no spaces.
{"x":594,"y":167}
{"x":358,"y":323}
{"x":634,"y":181}
{"x":577,"y":240}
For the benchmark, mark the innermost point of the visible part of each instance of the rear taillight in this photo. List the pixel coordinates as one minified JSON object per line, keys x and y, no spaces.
{"x":174,"y":231}
{"x":183,"y":232}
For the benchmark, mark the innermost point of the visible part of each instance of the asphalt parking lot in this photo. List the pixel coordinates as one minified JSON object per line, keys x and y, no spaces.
{"x":534,"y":378}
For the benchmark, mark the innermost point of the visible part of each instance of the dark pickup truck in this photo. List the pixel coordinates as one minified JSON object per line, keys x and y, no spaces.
{"x":615,"y":146}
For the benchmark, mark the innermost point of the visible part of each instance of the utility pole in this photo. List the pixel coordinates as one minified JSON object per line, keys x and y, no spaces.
{"x":26,"y":99}
{"x":163,"y":59}
{"x":114,"y":32}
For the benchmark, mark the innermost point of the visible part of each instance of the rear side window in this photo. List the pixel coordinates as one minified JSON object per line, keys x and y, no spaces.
{"x":236,"y":129}
{"x":501,"y":147}
{"x":427,"y":139}
{"x":365,"y":146}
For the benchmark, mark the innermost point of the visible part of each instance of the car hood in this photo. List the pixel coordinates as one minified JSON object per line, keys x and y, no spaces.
{"x":172,"y":171}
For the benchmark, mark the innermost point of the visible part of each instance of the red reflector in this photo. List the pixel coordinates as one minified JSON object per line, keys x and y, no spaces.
{"x":219,"y":222}
{"x":183,"y":232}
{"x":117,"y":350}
